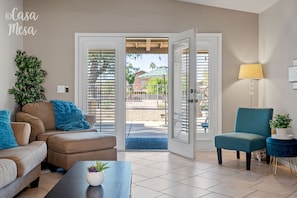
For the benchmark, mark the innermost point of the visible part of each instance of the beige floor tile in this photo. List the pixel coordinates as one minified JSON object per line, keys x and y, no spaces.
{"x":166,"y":196}
{"x":150,"y":172}
{"x":165,"y":165}
{"x":215,"y":195}
{"x":157,"y":184}
{"x":190,"y":172}
{"x":246,"y":179}
{"x":264,"y":194}
{"x":141,"y":192}
{"x":200,"y":182}
{"x":165,"y":175}
{"x":174,"y":177}
{"x":185,"y":191}
{"x":231,"y":190}
{"x":294,"y":195}
{"x":277,"y":187}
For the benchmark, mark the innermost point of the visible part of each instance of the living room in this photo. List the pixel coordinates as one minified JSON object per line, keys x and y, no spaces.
{"x":267,"y":38}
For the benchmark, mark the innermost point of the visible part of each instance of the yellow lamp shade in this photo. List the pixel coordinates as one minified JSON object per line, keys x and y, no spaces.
{"x":250,"y":71}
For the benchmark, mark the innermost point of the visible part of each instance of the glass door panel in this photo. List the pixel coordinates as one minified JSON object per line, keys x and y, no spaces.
{"x":101,"y":88}
{"x":181,"y":94}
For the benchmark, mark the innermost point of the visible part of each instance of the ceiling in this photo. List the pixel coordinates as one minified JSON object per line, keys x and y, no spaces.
{"x":254,"y":6}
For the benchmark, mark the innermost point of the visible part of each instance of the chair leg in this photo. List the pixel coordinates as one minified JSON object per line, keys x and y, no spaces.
{"x":248,"y":161}
{"x":238,"y":154}
{"x":267,"y":159}
{"x":219,"y":153}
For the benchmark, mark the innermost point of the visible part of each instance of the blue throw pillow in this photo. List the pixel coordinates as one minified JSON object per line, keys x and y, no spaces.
{"x":7,"y":139}
{"x":68,"y":117}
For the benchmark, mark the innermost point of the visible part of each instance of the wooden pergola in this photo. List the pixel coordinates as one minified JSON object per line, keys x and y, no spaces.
{"x":147,"y":45}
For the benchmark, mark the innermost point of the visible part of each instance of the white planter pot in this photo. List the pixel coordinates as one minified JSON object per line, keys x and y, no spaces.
{"x":281,"y":131}
{"x":95,"y":178}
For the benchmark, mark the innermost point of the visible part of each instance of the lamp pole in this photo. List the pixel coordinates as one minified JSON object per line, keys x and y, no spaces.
{"x":251,"y":91}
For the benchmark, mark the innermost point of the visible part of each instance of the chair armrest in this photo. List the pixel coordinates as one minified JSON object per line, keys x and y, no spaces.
{"x":37,"y":126}
{"x":91,"y":119}
{"x":21,"y":132}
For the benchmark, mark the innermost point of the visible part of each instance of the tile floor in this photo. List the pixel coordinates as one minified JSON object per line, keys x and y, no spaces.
{"x":165,"y":175}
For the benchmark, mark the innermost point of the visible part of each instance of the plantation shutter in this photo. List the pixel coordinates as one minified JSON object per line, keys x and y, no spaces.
{"x":101,"y":87}
{"x":202,"y":77}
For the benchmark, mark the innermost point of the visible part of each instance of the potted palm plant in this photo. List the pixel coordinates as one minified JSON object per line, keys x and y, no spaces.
{"x":280,"y":123}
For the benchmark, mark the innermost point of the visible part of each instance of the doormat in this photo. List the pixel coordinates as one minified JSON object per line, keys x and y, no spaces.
{"x":146,"y":143}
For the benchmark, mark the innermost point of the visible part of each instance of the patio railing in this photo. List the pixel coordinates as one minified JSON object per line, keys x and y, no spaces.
{"x":139,"y":98}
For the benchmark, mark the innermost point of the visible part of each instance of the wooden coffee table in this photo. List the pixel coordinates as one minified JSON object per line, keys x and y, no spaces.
{"x":117,"y":182}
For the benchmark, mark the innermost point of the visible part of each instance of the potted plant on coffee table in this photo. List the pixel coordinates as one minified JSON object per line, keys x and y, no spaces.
{"x":280,"y":122}
{"x":95,"y":175}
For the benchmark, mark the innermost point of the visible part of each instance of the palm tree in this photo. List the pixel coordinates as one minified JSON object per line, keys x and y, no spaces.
{"x":152,"y":65}
{"x":130,"y":76}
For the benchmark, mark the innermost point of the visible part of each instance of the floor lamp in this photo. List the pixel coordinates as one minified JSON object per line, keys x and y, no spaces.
{"x":252,"y":72}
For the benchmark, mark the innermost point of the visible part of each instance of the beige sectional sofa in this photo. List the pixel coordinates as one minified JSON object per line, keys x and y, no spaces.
{"x":21,"y":166}
{"x":66,"y":147}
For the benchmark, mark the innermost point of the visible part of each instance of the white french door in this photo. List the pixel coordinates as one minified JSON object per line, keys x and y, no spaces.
{"x":182,"y":97}
{"x":194,"y":92}
{"x":99,"y":81}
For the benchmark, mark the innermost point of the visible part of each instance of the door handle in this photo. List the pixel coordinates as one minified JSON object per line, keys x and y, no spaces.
{"x":190,"y":100}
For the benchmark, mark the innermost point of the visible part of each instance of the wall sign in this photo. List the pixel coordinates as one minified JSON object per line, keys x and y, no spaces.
{"x":16,"y":18}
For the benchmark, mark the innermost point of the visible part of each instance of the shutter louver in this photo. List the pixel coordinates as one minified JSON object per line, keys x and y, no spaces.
{"x":101,"y":87}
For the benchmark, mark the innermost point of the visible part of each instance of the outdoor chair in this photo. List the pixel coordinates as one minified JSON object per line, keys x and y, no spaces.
{"x":250,"y":132}
{"x":204,"y":125}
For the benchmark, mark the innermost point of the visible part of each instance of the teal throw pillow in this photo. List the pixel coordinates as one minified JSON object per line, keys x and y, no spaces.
{"x":7,"y":139}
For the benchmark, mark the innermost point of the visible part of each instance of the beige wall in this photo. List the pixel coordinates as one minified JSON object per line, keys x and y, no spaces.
{"x":8,"y":47}
{"x":59,"y":20}
{"x":277,"y":49}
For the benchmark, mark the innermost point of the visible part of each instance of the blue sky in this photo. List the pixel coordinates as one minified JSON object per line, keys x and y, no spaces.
{"x":144,"y":62}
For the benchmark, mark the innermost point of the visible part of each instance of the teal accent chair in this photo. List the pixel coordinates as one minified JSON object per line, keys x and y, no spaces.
{"x":250,"y":132}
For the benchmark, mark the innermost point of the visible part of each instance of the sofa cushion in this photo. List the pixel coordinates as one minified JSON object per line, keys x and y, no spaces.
{"x":7,"y":139}
{"x":43,"y":110}
{"x":8,"y":172}
{"x":26,"y":157}
{"x":81,"y":142}
{"x":49,"y":133}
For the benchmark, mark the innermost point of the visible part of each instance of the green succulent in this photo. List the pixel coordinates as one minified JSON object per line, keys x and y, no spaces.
{"x":100,"y":166}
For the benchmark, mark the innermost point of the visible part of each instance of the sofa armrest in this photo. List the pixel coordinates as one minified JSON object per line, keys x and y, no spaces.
{"x":37,"y":126}
{"x":21,"y":132}
{"x":91,"y":119}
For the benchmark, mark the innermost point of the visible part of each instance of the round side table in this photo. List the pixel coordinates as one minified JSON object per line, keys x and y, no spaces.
{"x":281,"y":148}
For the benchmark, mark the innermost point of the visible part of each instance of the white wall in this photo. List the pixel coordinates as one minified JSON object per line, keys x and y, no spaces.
{"x":8,"y":47}
{"x":277,"y":49}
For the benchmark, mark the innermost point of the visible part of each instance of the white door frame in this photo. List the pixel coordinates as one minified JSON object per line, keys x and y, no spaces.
{"x":116,"y":41}
{"x":204,"y":142}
